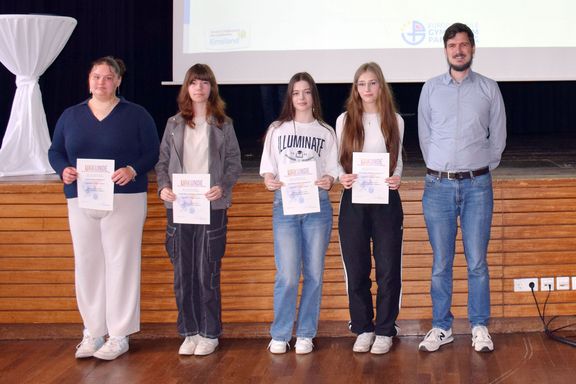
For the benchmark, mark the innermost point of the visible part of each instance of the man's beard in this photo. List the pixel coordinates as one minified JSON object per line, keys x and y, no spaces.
{"x":461,"y":68}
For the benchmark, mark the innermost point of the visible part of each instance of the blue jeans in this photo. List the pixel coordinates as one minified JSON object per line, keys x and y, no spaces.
{"x":300,"y":243}
{"x":443,"y":201}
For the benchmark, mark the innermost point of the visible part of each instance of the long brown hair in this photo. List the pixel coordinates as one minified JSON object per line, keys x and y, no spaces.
{"x":352,"y":139}
{"x":216,"y":107}
{"x":287,"y":113}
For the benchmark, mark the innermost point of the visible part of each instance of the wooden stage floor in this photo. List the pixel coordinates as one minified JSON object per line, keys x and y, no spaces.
{"x":521,"y":358}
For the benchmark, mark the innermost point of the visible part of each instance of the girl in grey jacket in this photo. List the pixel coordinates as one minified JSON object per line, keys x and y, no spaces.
{"x":199,"y":139}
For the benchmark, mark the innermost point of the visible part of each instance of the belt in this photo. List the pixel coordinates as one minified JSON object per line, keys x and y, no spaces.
{"x":458,"y":175}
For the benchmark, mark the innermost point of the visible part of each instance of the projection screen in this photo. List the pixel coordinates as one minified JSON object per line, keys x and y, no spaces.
{"x":266,"y":41}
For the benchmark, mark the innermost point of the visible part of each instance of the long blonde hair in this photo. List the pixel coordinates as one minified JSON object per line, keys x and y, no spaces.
{"x":352,"y":139}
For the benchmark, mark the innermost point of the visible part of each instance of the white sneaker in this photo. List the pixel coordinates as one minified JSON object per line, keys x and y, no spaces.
{"x":114,"y":347}
{"x":205,"y":346}
{"x":435,"y":338}
{"x":88,"y":346}
{"x":189,"y":345}
{"x":363,"y":342}
{"x":278,"y":346}
{"x":382,"y":345}
{"x":481,"y":340}
{"x":303,"y":345}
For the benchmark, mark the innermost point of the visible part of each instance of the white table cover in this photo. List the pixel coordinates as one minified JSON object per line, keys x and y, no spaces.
{"x":28,"y":45}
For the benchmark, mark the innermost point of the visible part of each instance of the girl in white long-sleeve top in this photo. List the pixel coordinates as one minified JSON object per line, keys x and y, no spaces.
{"x":371,"y":124}
{"x":300,"y":240}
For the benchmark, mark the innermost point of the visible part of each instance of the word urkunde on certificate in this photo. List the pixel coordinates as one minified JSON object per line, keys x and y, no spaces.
{"x":299,"y":193}
{"x":95,"y":185}
{"x":372,"y":169}
{"x":191,"y":205}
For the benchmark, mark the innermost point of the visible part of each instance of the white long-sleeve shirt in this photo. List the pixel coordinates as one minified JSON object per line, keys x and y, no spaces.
{"x":292,"y":142}
{"x":374,"y":142}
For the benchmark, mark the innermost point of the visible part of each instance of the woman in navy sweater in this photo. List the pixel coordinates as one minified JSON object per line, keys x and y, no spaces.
{"x":107,"y":244}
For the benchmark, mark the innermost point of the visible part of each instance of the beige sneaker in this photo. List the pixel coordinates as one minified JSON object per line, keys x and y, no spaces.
{"x":189,"y":345}
{"x":88,"y":346}
{"x":435,"y":338}
{"x":278,"y":347}
{"x":382,"y":345}
{"x":114,"y":347}
{"x":481,"y":340}
{"x":205,"y":346}
{"x":363,"y":342}
{"x":303,"y":345}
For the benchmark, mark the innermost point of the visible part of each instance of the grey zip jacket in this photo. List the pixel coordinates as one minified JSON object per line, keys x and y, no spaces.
{"x":223,"y":158}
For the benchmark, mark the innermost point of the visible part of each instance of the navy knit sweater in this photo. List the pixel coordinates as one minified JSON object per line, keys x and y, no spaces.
{"x":127,"y":135}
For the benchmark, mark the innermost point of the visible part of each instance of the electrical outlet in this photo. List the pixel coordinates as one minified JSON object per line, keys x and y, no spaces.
{"x":574,"y":283}
{"x":523,"y":285}
{"x":546,"y":284}
{"x":563,"y":283}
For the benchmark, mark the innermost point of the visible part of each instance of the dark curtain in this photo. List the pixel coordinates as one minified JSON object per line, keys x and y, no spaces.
{"x":138,"y":32}
{"x":141,"y":34}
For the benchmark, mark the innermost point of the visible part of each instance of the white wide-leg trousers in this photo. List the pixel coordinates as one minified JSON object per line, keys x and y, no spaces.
{"x":107,"y":253}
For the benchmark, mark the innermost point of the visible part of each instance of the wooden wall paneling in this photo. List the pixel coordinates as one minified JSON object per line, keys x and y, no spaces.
{"x":533,"y":235}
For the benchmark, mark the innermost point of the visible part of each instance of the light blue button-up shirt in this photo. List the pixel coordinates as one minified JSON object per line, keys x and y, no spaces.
{"x":461,"y":126}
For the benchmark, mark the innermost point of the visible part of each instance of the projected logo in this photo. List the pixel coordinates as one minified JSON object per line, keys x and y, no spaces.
{"x":228,"y":39}
{"x":414,"y":32}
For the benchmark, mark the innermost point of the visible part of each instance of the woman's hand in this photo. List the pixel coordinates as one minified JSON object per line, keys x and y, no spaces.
{"x":166,"y":194}
{"x":347,"y":180}
{"x":325,"y":182}
{"x":214,"y":193}
{"x":393,"y":182}
{"x":271,"y":183}
{"x":123,"y":176}
{"x":69,"y":175}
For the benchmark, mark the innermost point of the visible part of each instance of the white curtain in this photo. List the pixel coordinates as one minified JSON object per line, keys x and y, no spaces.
{"x":28,"y":45}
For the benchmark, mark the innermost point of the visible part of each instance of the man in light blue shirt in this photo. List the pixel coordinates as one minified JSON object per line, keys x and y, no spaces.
{"x":462,"y":133}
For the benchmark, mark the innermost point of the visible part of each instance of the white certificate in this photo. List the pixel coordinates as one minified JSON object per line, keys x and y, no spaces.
{"x":372,"y":169}
{"x":191,"y":205}
{"x":299,"y":193}
{"x":95,"y":185}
